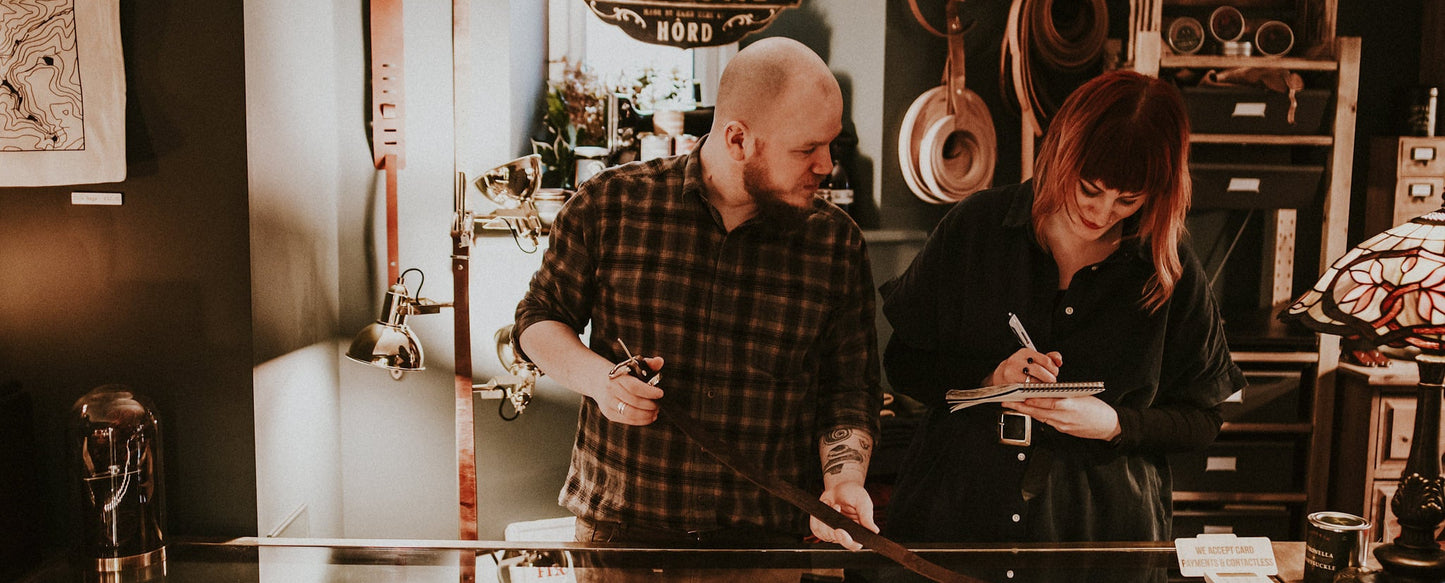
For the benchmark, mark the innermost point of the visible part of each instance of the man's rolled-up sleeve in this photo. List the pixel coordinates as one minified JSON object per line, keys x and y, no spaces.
{"x":562,"y":289}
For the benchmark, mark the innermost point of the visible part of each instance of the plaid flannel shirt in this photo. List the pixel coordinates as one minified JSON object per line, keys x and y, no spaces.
{"x":767,"y":333}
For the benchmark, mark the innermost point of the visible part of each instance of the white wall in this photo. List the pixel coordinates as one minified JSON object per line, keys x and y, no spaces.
{"x":297,"y":146}
{"x":365,"y":455}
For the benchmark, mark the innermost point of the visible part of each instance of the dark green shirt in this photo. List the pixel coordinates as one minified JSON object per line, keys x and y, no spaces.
{"x":1164,"y":372}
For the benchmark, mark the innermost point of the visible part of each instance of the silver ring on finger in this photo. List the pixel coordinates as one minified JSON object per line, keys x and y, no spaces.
{"x":621,"y":407}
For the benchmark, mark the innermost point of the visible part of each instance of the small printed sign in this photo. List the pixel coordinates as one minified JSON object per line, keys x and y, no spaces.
{"x":1225,"y":553}
{"x":689,"y":23}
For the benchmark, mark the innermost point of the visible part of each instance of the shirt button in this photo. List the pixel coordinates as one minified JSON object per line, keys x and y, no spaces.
{"x":1017,"y":518}
{"x":1022,"y":457}
{"x":1009,"y":574}
{"x":1093,"y":268}
{"x":1069,"y":310}
{"x":709,"y":394}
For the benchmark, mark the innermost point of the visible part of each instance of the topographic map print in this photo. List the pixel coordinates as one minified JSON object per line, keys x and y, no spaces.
{"x":40,"y":93}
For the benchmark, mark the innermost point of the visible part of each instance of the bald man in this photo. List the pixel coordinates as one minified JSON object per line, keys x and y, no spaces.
{"x":754,"y":295}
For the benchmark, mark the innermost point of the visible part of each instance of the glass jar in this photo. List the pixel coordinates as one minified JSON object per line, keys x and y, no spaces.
{"x":115,"y":438}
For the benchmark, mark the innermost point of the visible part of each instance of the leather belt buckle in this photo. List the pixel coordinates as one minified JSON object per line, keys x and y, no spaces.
{"x":1015,"y":429}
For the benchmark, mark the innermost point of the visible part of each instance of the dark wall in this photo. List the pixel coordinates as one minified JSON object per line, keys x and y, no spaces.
{"x":1389,"y":67}
{"x":155,"y":293}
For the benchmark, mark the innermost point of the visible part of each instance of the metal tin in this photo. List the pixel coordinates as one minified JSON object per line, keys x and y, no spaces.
{"x":1185,"y":36}
{"x":1226,"y":24}
{"x":1241,"y":48}
{"x":1335,"y":542}
{"x":1273,"y":39}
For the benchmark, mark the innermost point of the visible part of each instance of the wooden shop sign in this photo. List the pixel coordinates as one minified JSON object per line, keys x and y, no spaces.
{"x":687,"y":24}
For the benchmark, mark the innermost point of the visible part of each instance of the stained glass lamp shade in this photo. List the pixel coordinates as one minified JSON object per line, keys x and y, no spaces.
{"x":1390,"y":291}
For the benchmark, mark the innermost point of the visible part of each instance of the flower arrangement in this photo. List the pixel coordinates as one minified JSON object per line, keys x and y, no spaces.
{"x":575,"y":112}
{"x":575,"y":115}
{"x":650,"y":89}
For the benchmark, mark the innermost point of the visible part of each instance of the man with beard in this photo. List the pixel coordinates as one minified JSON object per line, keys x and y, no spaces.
{"x":757,"y":295}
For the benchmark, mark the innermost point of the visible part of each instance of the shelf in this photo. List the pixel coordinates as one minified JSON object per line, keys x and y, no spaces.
{"x":1261,"y":139}
{"x":1274,"y":428}
{"x":1222,"y":62}
{"x":1276,"y":497}
{"x":1310,"y":357}
{"x":1259,"y":331}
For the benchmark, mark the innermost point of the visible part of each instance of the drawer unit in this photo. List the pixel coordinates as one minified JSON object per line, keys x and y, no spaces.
{"x":1406,"y":180}
{"x":1271,"y":397}
{"x":1393,"y":434}
{"x":1237,"y":466}
{"x":1421,"y":156}
{"x":1255,"y":186}
{"x":1252,"y":110}
{"x":1272,"y":521}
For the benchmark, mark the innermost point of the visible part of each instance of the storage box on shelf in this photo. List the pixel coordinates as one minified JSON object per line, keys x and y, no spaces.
{"x":1289,"y":181}
{"x":1249,"y":481}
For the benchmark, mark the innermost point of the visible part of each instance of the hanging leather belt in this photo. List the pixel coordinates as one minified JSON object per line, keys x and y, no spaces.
{"x":673,"y":413}
{"x":725,"y":454}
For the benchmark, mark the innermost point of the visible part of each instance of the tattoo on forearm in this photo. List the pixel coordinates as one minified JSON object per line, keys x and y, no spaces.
{"x":840,"y":454}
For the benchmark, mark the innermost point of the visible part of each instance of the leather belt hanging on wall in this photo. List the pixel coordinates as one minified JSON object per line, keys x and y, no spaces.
{"x":947,"y":146}
{"x":387,"y":109}
{"x":1065,"y":36}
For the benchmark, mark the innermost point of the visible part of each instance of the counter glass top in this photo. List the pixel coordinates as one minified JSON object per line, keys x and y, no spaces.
{"x":411,"y":561}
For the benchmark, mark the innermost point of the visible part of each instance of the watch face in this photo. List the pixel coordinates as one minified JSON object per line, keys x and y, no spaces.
{"x":1186,"y":36}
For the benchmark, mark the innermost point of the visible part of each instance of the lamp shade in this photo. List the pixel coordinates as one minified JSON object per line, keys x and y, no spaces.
{"x":1389,"y":290}
{"x":513,"y":183}
{"x":388,"y":342}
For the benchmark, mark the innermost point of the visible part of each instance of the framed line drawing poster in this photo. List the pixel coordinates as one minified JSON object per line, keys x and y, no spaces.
{"x":62,"y":93}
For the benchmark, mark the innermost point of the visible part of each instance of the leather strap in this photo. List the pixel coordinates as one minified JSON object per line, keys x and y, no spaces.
{"x":918,"y":15}
{"x":462,"y":377}
{"x":389,"y":165}
{"x":388,"y":103}
{"x":806,"y":502}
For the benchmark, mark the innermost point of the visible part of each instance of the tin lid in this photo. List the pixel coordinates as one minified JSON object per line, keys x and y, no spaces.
{"x":1338,"y":521}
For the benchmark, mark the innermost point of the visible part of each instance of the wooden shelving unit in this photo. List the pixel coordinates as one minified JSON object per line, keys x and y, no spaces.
{"x":1308,"y":434}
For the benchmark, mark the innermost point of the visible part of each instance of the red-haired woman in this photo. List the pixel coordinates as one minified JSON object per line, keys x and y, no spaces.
{"x":1089,"y":256}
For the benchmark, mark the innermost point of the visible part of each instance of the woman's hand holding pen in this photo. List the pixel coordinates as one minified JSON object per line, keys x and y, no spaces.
{"x":1027,"y":366}
{"x":1085,"y":417}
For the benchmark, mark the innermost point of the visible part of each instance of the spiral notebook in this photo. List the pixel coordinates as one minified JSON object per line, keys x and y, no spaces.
{"x":965,"y":398}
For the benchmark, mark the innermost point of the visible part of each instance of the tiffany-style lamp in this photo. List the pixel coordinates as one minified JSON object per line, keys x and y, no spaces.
{"x":1390,"y":291}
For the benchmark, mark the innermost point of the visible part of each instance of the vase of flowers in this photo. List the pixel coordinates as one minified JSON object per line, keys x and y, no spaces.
{"x":574,"y":115}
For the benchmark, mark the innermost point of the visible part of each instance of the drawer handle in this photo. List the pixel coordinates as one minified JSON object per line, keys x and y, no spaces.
{"x":1220,"y":463}
{"x":1422,"y":153}
{"x":1218,"y":529}
{"x":1421,"y":190}
{"x":1248,"y":109}
{"x":1243,"y":185}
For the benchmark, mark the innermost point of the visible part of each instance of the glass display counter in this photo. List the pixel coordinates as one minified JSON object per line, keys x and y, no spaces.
{"x":271,"y":560}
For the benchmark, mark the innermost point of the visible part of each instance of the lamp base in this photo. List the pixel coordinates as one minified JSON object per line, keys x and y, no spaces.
{"x":1407,"y":565}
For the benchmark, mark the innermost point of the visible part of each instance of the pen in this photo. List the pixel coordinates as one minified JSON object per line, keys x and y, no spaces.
{"x":1023,"y":335}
